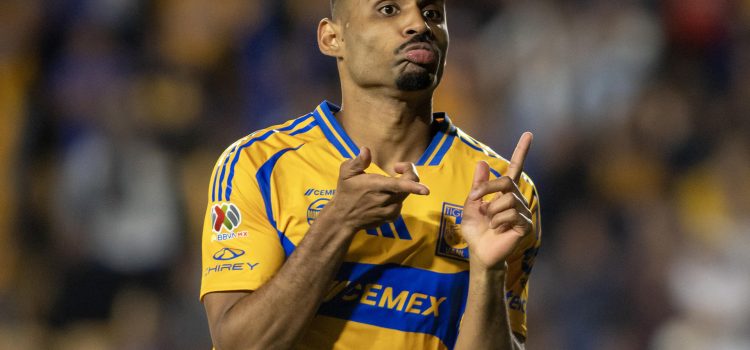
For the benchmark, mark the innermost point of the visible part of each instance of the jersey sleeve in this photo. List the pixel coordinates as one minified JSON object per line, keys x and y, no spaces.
{"x":241,"y":250}
{"x":521,"y":263}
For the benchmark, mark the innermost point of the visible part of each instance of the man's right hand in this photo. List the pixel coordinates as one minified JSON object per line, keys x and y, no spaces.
{"x":365,"y":200}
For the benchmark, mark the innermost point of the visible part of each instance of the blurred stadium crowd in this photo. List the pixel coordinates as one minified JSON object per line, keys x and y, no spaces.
{"x":114,"y":111}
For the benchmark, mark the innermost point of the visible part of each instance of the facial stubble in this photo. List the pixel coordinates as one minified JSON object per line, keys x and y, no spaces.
{"x":414,"y":81}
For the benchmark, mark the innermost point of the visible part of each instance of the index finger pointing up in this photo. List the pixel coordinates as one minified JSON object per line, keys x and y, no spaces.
{"x":519,"y":156}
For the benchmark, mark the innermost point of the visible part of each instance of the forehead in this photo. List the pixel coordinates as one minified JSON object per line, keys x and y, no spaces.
{"x":339,"y":6}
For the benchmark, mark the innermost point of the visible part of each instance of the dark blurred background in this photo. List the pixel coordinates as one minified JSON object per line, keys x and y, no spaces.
{"x":114,"y":111}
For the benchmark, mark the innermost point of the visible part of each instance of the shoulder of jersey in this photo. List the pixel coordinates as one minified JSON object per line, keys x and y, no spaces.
{"x":476,"y":151}
{"x":262,"y":144}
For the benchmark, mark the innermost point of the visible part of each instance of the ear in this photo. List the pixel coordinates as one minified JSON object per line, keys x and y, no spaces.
{"x":329,"y":38}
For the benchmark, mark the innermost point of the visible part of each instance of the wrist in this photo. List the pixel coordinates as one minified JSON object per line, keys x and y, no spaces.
{"x":333,"y":220}
{"x":477,"y":266}
{"x":487,"y":280}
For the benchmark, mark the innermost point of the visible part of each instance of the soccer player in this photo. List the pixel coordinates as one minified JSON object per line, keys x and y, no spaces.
{"x":423,"y":239}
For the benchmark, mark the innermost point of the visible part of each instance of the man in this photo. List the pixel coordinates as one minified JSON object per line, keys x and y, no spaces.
{"x":312,"y":242}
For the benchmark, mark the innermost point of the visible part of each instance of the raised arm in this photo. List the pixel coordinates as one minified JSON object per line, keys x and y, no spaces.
{"x":275,"y":315}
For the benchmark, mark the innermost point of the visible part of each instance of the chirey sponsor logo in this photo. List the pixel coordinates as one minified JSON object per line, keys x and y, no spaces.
{"x":226,"y":255}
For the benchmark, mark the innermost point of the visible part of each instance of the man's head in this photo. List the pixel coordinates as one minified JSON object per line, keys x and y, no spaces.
{"x":397,"y":44}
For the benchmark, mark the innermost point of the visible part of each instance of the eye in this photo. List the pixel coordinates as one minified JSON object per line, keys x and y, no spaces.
{"x":432,"y":15}
{"x":388,"y":10}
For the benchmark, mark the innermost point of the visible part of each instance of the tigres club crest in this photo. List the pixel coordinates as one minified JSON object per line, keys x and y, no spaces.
{"x":450,"y":243}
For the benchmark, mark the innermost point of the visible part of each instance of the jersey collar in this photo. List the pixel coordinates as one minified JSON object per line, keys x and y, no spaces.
{"x":433,"y":155}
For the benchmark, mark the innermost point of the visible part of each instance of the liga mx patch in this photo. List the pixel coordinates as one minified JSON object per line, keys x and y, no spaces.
{"x":225,"y":216}
{"x":450,"y":242}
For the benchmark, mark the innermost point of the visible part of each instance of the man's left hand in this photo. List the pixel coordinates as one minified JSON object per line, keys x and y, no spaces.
{"x":493,"y":229}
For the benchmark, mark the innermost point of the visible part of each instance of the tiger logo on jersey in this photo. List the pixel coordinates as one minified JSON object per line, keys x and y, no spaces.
{"x":451,"y":243}
{"x":225,"y":216}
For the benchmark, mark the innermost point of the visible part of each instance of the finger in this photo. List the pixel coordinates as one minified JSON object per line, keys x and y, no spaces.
{"x":510,"y":219}
{"x":484,"y":208}
{"x":501,"y":185}
{"x":398,"y":185}
{"x":481,"y":177}
{"x":407,"y":170}
{"x":501,"y":203}
{"x":505,"y":202}
{"x":357,"y":165}
{"x":519,"y":156}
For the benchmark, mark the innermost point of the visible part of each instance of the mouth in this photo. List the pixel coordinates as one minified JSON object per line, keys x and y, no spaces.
{"x":421,"y":54}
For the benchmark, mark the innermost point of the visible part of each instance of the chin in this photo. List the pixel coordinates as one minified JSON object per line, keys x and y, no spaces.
{"x":415,"y":81}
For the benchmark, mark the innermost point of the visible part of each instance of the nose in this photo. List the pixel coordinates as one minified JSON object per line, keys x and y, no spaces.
{"x":415,"y":23}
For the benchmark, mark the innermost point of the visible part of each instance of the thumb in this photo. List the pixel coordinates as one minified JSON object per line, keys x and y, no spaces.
{"x":357,"y":165}
{"x":481,"y":175}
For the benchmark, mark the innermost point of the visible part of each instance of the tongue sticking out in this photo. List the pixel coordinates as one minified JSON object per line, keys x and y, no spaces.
{"x":421,"y":56}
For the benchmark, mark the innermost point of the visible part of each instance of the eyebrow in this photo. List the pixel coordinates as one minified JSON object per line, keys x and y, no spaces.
{"x":422,"y":3}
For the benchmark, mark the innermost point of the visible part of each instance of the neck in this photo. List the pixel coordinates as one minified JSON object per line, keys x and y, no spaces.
{"x":396,"y":129}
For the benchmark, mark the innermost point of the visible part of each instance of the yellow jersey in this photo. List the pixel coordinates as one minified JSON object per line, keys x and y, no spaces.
{"x":402,"y":285}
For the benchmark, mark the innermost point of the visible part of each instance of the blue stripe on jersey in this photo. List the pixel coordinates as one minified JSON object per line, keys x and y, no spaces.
{"x":401,"y":298}
{"x":477,"y":148}
{"x":249,"y":143}
{"x":430,"y":149}
{"x":480,"y":149}
{"x":443,"y":149}
{"x":329,"y":135}
{"x":372,"y":231}
{"x":495,"y":172}
{"x":401,"y":230}
{"x":305,"y":129}
{"x":330,"y":108}
{"x":263,"y":176}
{"x":386,"y":230}
{"x":471,"y":145}
{"x":223,"y":169}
